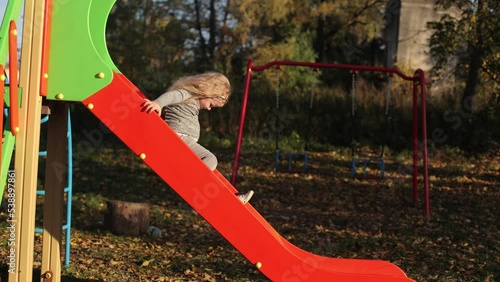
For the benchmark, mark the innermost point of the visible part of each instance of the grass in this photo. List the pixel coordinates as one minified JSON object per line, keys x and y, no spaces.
{"x":323,"y":211}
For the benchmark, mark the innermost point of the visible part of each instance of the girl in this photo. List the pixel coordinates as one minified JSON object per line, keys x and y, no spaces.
{"x":182,"y":104}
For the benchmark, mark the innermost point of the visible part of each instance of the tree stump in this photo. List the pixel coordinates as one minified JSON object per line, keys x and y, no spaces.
{"x":126,"y":218}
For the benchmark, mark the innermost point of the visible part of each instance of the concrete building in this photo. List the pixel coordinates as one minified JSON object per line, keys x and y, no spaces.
{"x":407,"y":33}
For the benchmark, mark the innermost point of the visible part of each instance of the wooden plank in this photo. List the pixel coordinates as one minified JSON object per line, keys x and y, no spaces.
{"x":27,"y":141}
{"x":55,"y":182}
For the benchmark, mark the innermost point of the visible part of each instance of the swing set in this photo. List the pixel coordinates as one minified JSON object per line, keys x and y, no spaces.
{"x":287,"y":161}
{"x":360,"y":165}
{"x":419,"y":95}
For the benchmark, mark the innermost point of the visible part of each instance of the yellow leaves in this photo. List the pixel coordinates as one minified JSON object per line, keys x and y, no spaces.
{"x":489,"y":278}
{"x":324,"y":211}
{"x":207,"y":277}
{"x":401,"y":246}
{"x":324,"y":9}
{"x":113,"y":262}
{"x":162,"y":279}
{"x":162,"y":22}
{"x":147,"y":262}
{"x":265,"y":12}
{"x":419,"y":240}
{"x":319,"y":228}
{"x":200,"y":275}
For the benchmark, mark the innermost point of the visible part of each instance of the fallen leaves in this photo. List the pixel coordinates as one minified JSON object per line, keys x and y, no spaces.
{"x":324,"y":211}
{"x":147,"y":262}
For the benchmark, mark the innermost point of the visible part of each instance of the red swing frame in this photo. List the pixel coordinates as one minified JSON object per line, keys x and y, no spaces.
{"x":419,"y":95}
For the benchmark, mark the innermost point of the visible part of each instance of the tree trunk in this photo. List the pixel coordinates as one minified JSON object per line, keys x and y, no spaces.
{"x":319,"y":43}
{"x":126,"y":218}
{"x":471,"y":83}
{"x":476,"y":60}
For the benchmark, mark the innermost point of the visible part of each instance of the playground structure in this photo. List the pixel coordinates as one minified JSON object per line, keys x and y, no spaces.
{"x":418,"y":81}
{"x":65,"y":59}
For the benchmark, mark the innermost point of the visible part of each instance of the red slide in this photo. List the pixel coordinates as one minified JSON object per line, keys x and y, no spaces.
{"x":213,"y":197}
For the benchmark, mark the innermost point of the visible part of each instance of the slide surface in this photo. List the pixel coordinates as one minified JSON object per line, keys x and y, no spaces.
{"x":214,"y":198}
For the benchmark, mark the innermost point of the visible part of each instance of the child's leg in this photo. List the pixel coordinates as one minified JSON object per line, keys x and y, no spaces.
{"x":205,"y":155}
{"x":211,"y":161}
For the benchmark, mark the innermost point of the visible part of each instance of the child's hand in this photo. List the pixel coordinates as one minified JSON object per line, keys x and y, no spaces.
{"x":151,"y":106}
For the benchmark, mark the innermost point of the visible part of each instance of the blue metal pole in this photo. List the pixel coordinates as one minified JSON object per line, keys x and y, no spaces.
{"x":69,"y":191}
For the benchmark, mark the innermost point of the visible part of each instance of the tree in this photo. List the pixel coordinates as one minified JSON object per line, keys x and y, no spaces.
{"x":473,"y":39}
{"x":154,"y":42}
{"x":345,"y":28}
{"x":147,"y":42}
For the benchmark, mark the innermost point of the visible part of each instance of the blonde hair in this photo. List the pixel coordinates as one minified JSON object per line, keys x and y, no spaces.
{"x":205,"y":85}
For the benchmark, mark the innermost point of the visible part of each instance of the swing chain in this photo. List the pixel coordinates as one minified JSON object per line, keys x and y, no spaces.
{"x":277,"y":87}
{"x":353,"y":92}
{"x":313,"y":87}
{"x":388,"y":96}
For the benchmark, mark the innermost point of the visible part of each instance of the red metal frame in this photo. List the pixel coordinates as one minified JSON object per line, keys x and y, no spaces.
{"x":418,"y":80}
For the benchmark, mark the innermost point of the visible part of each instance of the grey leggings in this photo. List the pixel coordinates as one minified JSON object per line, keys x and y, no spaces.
{"x":205,"y":155}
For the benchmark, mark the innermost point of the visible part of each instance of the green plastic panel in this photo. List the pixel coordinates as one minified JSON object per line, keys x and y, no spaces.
{"x":7,"y":150}
{"x":79,"y":62}
{"x":99,"y":12}
{"x":11,"y":13}
{"x":7,"y":96}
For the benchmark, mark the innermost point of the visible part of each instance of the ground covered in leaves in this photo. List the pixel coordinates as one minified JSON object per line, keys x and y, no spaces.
{"x":324,"y":211}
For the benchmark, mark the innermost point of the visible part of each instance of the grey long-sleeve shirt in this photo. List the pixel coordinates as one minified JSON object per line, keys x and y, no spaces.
{"x":181,"y":115}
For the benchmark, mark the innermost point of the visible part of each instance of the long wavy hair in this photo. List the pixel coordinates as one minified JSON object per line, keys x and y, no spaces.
{"x":205,"y":85}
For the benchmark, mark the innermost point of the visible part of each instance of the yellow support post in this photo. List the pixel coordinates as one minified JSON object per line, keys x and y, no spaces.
{"x":27,"y":141}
